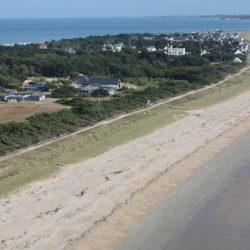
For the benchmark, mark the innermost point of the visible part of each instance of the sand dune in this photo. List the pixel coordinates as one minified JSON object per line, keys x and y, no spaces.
{"x":51,"y":214}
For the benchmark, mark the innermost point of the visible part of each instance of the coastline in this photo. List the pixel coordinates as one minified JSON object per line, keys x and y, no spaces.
{"x":70,"y":209}
{"x":120,"y":230}
{"x":209,"y":211}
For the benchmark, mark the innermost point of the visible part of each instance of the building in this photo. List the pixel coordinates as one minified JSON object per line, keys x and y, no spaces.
{"x":151,"y":49}
{"x":43,"y":46}
{"x":81,"y":79}
{"x":176,"y":51}
{"x":204,"y":52}
{"x":113,"y":47}
{"x":71,"y":51}
{"x":20,"y":97}
{"x":238,"y":52}
{"x":3,"y":97}
{"x":15,"y":98}
{"x":89,"y":84}
{"x":237,"y":60}
{"x":37,"y":97}
{"x":35,"y":86}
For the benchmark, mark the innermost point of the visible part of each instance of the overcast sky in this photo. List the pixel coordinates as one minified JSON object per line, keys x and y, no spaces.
{"x":119,"y":8}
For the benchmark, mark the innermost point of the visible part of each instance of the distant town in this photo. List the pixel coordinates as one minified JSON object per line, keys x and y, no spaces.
{"x":215,"y":47}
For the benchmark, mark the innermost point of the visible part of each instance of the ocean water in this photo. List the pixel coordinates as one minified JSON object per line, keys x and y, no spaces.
{"x":40,"y":30}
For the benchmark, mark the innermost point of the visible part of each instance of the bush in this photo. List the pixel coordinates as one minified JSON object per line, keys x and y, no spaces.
{"x":101,"y":92}
{"x":64,"y":91}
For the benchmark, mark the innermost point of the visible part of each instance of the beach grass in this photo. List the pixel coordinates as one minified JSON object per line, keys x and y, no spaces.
{"x":221,"y":93}
{"x":43,"y":162}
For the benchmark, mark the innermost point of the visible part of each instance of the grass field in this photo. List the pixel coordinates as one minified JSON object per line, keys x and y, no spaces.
{"x":40,"y":163}
{"x":22,"y":110}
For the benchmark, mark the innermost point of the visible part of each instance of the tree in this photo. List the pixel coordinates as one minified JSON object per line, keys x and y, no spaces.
{"x":64,"y":91}
{"x":101,"y":92}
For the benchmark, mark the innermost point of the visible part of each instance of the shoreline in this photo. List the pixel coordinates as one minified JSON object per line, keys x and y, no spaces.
{"x":83,"y":196}
{"x":208,"y":211}
{"x":113,"y":232}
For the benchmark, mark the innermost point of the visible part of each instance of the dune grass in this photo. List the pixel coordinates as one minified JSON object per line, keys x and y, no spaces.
{"x":45,"y":161}
{"x":221,"y":93}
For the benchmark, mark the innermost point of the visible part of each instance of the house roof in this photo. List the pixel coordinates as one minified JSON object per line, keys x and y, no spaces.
{"x":81,"y":79}
{"x":97,"y":81}
{"x":238,"y":52}
{"x":237,"y":59}
{"x":103,"y":81}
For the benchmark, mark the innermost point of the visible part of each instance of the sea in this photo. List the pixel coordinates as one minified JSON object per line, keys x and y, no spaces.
{"x":40,"y":30}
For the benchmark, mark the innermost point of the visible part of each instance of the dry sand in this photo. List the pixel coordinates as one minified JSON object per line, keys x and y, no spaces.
{"x":52,"y":214}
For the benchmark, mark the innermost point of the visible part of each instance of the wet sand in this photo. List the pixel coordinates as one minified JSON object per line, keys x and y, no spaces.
{"x":209,"y":212}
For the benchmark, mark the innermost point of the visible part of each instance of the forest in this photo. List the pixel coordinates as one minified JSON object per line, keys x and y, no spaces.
{"x":19,"y":62}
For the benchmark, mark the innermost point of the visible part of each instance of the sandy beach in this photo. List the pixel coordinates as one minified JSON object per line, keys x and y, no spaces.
{"x":210,"y":211}
{"x":69,"y":210}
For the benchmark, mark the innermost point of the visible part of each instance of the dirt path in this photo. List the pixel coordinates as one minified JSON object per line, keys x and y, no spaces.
{"x":108,"y":121}
{"x":53,"y":213}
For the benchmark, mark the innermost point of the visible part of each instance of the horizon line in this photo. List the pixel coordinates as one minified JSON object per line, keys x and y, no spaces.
{"x":99,"y":17}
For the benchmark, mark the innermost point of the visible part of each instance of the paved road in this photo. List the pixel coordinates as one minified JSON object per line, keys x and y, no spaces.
{"x":210,"y":212}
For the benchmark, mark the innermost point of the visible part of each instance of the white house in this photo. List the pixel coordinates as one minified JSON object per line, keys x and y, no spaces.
{"x":151,"y":49}
{"x":113,"y":47}
{"x":118,"y":47}
{"x":176,"y":51}
{"x":21,"y":96}
{"x":70,"y":50}
{"x":237,"y":60}
{"x":204,"y":52}
{"x":238,"y":52}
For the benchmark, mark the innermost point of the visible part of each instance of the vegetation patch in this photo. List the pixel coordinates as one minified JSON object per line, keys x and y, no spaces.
{"x":221,"y":93}
{"x":42,"y":162}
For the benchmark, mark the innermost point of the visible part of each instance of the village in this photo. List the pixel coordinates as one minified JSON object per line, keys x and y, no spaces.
{"x":172,"y":45}
{"x":241,"y":44}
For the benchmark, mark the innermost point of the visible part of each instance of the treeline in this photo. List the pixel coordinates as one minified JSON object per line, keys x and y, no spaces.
{"x":19,"y":62}
{"x":39,"y":127}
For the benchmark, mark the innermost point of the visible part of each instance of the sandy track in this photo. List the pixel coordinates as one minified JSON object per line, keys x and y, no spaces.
{"x":51,"y":214}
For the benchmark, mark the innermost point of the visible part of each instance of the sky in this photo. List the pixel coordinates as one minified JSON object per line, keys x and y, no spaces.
{"x":118,"y":8}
